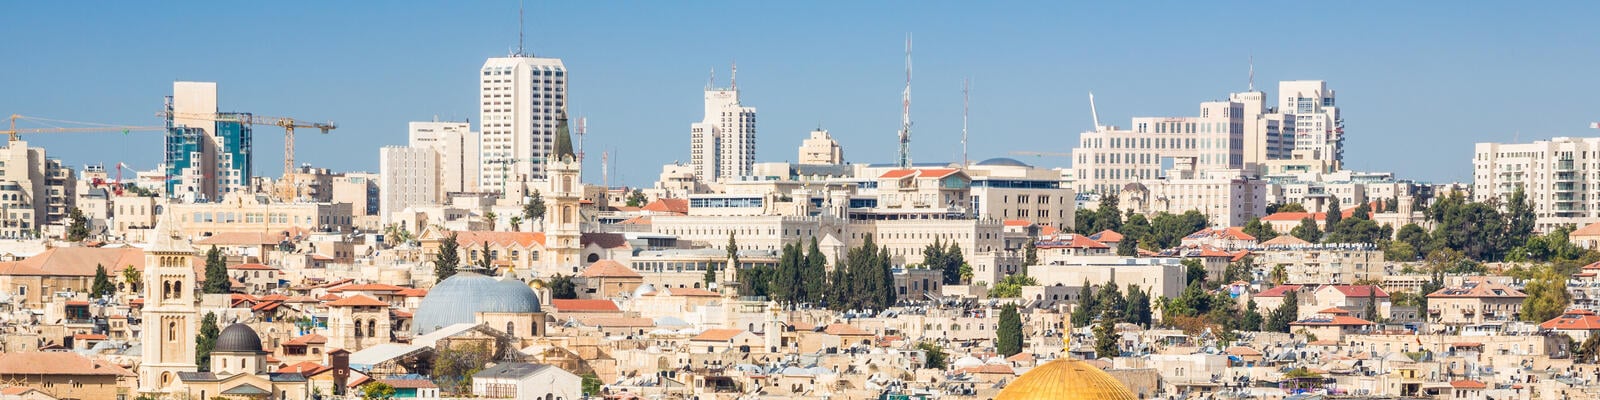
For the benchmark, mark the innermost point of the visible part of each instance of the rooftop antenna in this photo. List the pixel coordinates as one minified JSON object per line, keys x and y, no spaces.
{"x":966,"y":89}
{"x":905,"y":112}
{"x":1095,"y":114}
{"x":583,"y":129}
{"x":520,"y":51}
{"x":1252,"y":73}
{"x":733,"y":78}
{"x":605,"y":175}
{"x":712,"y":81}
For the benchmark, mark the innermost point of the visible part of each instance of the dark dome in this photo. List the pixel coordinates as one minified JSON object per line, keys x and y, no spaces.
{"x":460,"y":298}
{"x":1003,"y":162}
{"x":238,"y":338}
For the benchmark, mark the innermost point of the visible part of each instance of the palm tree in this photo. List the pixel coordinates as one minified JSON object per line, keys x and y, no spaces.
{"x":489,"y":218}
{"x":131,"y":278}
{"x":516,"y":222}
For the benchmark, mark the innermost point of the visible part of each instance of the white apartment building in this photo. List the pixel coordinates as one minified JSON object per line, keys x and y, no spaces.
{"x":1314,"y":189}
{"x":34,"y":190}
{"x":457,"y":147}
{"x":1107,"y":159}
{"x":1226,"y":197}
{"x":408,"y":180}
{"x":820,"y":148}
{"x":521,"y":97}
{"x":1318,"y":127}
{"x":723,"y":145}
{"x":1559,"y":176}
{"x":1268,"y":135}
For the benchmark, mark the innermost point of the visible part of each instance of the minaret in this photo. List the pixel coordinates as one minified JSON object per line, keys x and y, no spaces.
{"x":169,"y":312}
{"x":564,"y":192}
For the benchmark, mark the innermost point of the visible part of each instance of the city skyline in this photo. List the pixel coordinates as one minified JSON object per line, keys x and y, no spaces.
{"x":1411,"y":76}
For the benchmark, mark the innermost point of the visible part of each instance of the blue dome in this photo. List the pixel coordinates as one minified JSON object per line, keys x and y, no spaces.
{"x":460,"y":298}
{"x":1003,"y":162}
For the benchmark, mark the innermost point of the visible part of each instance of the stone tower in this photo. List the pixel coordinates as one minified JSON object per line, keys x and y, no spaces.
{"x":170,"y":324}
{"x":564,"y":193}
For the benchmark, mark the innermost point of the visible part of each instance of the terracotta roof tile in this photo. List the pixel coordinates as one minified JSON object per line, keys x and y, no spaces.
{"x":358,"y":301}
{"x":717,"y":335}
{"x":473,"y":239}
{"x":56,"y":363}
{"x":584,"y":305}
{"x":609,"y":269}
{"x":667,"y":205}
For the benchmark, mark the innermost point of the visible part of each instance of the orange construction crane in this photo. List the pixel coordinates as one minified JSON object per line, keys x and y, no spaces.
{"x":94,"y":127}
{"x":288,"y":124}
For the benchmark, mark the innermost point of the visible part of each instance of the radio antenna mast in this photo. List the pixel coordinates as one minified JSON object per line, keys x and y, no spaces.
{"x":520,"y":30}
{"x":1095,"y":114}
{"x":966,"y":89}
{"x":905,"y":112}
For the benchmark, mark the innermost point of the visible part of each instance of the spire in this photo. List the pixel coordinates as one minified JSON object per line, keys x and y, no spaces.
{"x":167,"y":238}
{"x":563,"y":148}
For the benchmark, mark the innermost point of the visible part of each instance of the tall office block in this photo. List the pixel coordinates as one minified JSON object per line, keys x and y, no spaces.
{"x":722,"y":146}
{"x":520,"y":98}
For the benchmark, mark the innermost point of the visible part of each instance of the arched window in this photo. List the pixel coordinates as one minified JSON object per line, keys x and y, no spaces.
{"x":172,"y":331}
{"x":566,"y":184}
{"x":566,"y":215}
{"x":511,"y":328}
{"x":224,"y":363}
{"x":372,"y":330}
{"x":177,"y":290}
{"x":166,"y":290}
{"x":358,"y":328}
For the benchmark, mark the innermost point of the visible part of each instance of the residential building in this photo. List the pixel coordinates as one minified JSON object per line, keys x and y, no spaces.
{"x":63,"y":375}
{"x":1007,"y":189}
{"x":238,"y":212}
{"x":1476,"y":301}
{"x":1318,"y":127}
{"x":359,"y":189}
{"x":440,"y":158}
{"x":408,"y":180}
{"x":1108,"y":158}
{"x":35,"y":191}
{"x":521,"y":97}
{"x":456,"y":148}
{"x":1161,"y":277}
{"x":520,"y":380}
{"x":722,"y":146}
{"x":1310,"y":264}
{"x":1555,"y":174}
{"x":1226,"y":197}
{"x":821,"y":149}
{"x":208,"y":153}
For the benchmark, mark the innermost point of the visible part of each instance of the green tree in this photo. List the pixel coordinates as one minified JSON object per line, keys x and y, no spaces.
{"x":1416,"y":237}
{"x":1399,"y":251}
{"x":1086,"y":306}
{"x":377,"y":391}
{"x":815,"y":273}
{"x":1129,"y":247}
{"x":1547,"y":295}
{"x":935,"y":354}
{"x":455,"y":363}
{"x":486,"y":258}
{"x":562,"y":287}
{"x":1519,"y":215}
{"x":216,"y":273}
{"x":102,"y":282}
{"x":1030,"y":255}
{"x":1084,"y":221}
{"x":636,"y":198}
{"x":516,"y":223}
{"x":1362,"y":211}
{"x":448,"y":258}
{"x":1252,"y":319}
{"x":206,"y":341}
{"x":1136,"y":227}
{"x":1167,"y":230}
{"x":534,"y":209}
{"x":733,"y":250}
{"x":489,"y":218}
{"x":1105,"y":338}
{"x":1194,"y":271}
{"x":1333,"y":214}
{"x":1108,"y":216}
{"x":1011,"y":286}
{"x":131,"y":278}
{"x":840,"y":286}
{"x":786,"y":286}
{"x":1371,"y":310}
{"x":1588,"y":352}
{"x":1286,"y":208}
{"x":1261,"y":230}
{"x":1279,"y":319}
{"x":1432,"y":285}
{"x":591,"y":384}
{"x":1307,"y":230}
{"x":78,"y":227}
{"x":1138,"y":309}
{"x":953,"y":259}
{"x":756,"y":281}
{"x":1008,"y":337}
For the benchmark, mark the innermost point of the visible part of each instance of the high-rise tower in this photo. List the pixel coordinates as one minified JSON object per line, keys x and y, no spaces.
{"x":520,"y":98}
{"x":723,"y":144}
{"x":207,"y":153}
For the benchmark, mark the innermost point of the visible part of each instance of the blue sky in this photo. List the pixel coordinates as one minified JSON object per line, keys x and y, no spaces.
{"x":1419,"y":82}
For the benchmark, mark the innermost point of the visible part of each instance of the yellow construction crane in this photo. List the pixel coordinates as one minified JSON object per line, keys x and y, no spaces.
{"x":14,"y":133}
{"x":288,"y":124}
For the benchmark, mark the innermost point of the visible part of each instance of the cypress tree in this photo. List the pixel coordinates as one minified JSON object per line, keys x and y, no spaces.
{"x":1008,"y":336}
{"x":216,"y":273}
{"x":445,"y":263}
{"x":206,"y":341}
{"x":102,"y":282}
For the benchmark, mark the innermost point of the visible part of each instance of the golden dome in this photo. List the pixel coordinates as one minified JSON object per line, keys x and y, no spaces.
{"x":1067,"y":379}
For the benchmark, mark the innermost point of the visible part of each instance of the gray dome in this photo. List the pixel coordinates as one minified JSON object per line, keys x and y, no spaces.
{"x":460,"y":298}
{"x":238,"y":338}
{"x":1003,"y":162}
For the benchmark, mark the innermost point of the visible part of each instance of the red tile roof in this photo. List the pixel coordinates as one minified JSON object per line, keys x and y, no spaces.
{"x":1284,"y":240}
{"x":1468,"y":384}
{"x":56,"y":363}
{"x":1278,"y":291}
{"x":1293,"y":216}
{"x":308,"y":339}
{"x":1361,"y":291}
{"x":668,"y":205}
{"x":367,"y":287}
{"x":584,"y":305}
{"x":1107,"y":236}
{"x":1587,"y":230}
{"x":1337,"y":320}
{"x":253,"y":267}
{"x":1017,"y":222}
{"x":358,"y":301}
{"x":845,"y":330}
{"x":305,"y":368}
{"x":1573,"y":320}
{"x":1070,"y":240}
{"x":609,"y":269}
{"x":1231,"y":233}
{"x":1478,"y":287}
